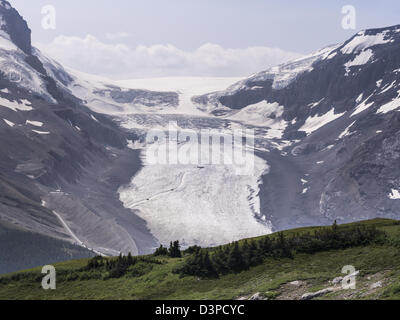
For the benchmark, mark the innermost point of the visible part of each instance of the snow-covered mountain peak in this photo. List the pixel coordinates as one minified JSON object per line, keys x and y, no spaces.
{"x":14,"y":27}
{"x":277,"y":78}
{"x":370,"y":38}
{"x":282,"y":75}
{"x":18,"y":63}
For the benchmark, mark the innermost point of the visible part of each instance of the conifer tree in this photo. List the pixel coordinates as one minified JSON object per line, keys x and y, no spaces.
{"x":161,"y":251}
{"x":219,"y":259}
{"x":207,"y":267}
{"x":175,"y":250}
{"x":254,"y":254}
{"x":235,"y":259}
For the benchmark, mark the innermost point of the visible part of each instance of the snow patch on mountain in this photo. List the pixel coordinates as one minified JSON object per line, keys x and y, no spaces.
{"x":284,"y":74}
{"x":390,"y":106}
{"x":315,"y":122}
{"x":14,"y":66}
{"x":263,"y":114}
{"x":34,"y":123}
{"x":41,"y":132}
{"x":362,"y":106}
{"x":145,"y":96}
{"x":388,"y":87}
{"x":11,"y":124}
{"x":281,"y":76}
{"x":346,"y":132}
{"x":5,"y":42}
{"x":53,"y":68}
{"x":315,"y":104}
{"x":394,"y":195}
{"x":361,"y":59}
{"x":363,"y":41}
{"x":24,"y":105}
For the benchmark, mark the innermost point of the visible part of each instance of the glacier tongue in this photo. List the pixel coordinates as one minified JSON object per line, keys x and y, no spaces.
{"x":204,"y":205}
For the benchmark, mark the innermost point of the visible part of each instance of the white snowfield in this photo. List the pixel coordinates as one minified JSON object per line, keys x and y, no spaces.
{"x":346,"y":132}
{"x":388,"y":87}
{"x":363,"y":58}
{"x":34,"y":123}
{"x":362,"y":106}
{"x":387,"y":107}
{"x":362,"y":41}
{"x":186,"y":87}
{"x":5,"y":42}
{"x":315,"y":104}
{"x":361,"y":45}
{"x":41,"y":132}
{"x":24,"y":105}
{"x":263,"y":114}
{"x":14,"y":66}
{"x":260,"y":114}
{"x":313,"y":123}
{"x":390,"y":106}
{"x":282,"y":75}
{"x":86,"y":87}
{"x":11,"y":124}
{"x":394,"y":195}
{"x":286,"y":73}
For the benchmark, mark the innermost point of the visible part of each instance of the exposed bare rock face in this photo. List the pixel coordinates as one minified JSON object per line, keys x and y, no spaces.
{"x":14,"y":25}
{"x":58,"y":156}
{"x":340,"y":115}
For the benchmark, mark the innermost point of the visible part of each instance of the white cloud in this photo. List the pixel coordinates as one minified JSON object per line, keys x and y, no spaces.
{"x":117,"y":35}
{"x":90,"y":55}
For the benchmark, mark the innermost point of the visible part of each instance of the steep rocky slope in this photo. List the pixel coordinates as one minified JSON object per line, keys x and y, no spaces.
{"x":61,"y":163}
{"x":338,"y":109}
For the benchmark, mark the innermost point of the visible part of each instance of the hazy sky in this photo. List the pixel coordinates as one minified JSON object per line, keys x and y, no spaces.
{"x":197,"y":37}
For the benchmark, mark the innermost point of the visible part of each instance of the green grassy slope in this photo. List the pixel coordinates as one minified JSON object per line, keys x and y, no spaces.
{"x":379,"y":277}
